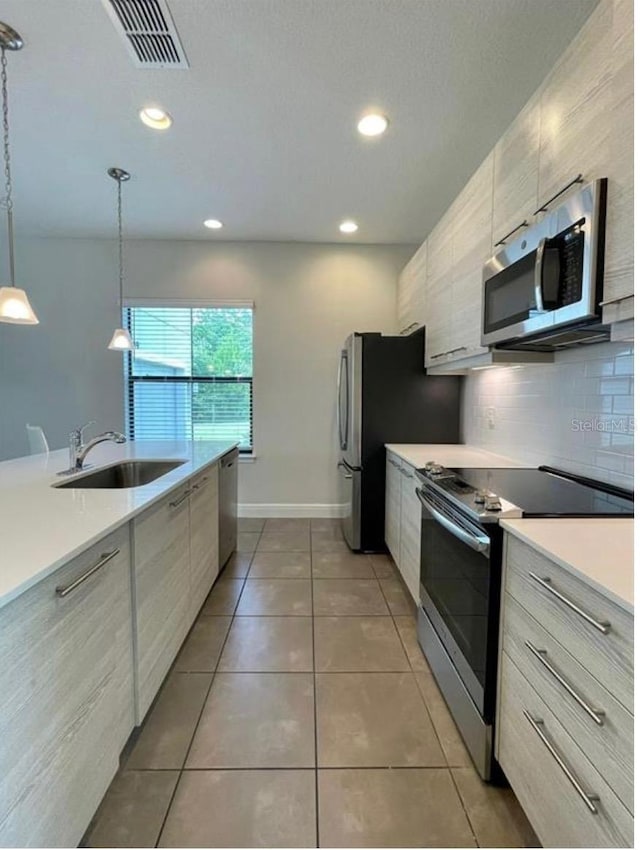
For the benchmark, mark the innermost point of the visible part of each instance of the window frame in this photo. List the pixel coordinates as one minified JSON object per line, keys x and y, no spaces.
{"x":131,"y":379}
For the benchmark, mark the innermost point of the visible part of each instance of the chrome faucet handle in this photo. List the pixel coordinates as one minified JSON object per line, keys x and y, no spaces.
{"x":82,"y":428}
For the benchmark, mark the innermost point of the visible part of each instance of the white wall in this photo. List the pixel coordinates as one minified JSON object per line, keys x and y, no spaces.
{"x":308,"y":298}
{"x":59,"y":374}
{"x":576,"y":413}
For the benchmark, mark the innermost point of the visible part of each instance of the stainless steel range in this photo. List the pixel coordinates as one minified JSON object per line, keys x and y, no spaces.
{"x":461,"y":572}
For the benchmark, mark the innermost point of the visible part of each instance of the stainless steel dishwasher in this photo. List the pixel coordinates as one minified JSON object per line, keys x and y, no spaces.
{"x":228,"y":505}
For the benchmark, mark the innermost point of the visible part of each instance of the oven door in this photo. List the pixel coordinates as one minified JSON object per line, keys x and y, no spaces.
{"x":456,"y":593}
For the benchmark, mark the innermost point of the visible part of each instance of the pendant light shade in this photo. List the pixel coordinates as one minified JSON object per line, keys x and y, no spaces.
{"x":14,"y":303}
{"x":121,"y":339}
{"x":15,"y":308}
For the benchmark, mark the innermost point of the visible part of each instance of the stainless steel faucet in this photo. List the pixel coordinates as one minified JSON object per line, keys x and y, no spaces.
{"x":79,"y":450}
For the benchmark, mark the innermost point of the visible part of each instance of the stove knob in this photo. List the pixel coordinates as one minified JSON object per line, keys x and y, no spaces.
{"x":480,"y":497}
{"x":435,"y":469}
{"x":492,"y":503}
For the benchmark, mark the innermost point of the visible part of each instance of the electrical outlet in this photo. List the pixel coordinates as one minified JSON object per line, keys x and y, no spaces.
{"x":490,"y":415}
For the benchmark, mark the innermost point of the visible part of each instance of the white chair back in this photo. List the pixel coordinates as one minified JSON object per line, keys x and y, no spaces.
{"x":37,"y":440}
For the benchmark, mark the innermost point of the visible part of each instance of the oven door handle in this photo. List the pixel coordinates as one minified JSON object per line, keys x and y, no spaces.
{"x":478,"y":544}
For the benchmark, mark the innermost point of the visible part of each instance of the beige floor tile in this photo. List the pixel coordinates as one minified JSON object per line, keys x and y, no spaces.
{"x":223,"y":597}
{"x":247,"y":541}
{"x":238,"y":565}
{"x":269,"y":644}
{"x":281,"y":565}
{"x":374,"y":720}
{"x":407,"y":628}
{"x":133,"y":809}
{"x":325,"y":523}
{"x":201,"y":650}
{"x":390,"y":808}
{"x":446,"y":729}
{"x":243,"y":808}
{"x":495,"y":814}
{"x":348,"y":597}
{"x":358,"y":644}
{"x":333,"y":532}
{"x":319,"y":543}
{"x":256,"y":720}
{"x":168,"y":728}
{"x":251,"y":524}
{"x":288,"y":525}
{"x":341,"y":565}
{"x":276,"y":597}
{"x":284,"y":541}
{"x":398,"y":597}
{"x":383,"y":566}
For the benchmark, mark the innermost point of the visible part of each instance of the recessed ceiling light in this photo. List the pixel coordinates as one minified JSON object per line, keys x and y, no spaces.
{"x":373,"y":124}
{"x":348,"y":226}
{"x":213,"y":224}
{"x":155,"y":118}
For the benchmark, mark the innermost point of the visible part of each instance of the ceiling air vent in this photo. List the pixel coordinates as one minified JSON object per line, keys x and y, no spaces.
{"x":147,"y":28}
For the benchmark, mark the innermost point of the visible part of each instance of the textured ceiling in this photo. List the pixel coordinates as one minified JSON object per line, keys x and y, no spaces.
{"x":264,"y":131}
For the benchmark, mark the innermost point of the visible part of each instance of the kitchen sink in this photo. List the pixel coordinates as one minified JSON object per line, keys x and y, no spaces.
{"x":130,"y":473}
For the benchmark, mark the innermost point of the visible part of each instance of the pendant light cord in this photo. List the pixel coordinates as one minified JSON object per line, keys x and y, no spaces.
{"x":120,"y":252}
{"x":7,"y":164}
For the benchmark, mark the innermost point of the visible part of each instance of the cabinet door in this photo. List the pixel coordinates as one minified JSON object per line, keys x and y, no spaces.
{"x":412,"y":286}
{"x":410,"y":527}
{"x":618,"y":267}
{"x":161,"y":541}
{"x":393,"y":497}
{"x":204,"y":537}
{"x":66,"y":696}
{"x":471,"y":249}
{"x":575,"y":120}
{"x":515,"y":183}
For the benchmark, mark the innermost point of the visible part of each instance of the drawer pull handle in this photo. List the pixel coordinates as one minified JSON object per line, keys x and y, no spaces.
{"x":179,"y":501}
{"x":604,"y":627}
{"x":587,"y":798}
{"x":104,"y":559}
{"x":541,"y":654}
{"x":200,"y":483}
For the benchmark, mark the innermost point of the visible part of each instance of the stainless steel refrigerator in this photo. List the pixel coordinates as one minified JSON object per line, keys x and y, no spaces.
{"x":384,"y":396}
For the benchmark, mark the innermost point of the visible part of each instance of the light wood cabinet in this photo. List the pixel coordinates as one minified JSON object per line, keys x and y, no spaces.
{"x":565,"y":701}
{"x":515,"y":182}
{"x":203,"y":518}
{"x":403,"y":518}
{"x":162,"y":591}
{"x":412,"y":291}
{"x":66,"y":696}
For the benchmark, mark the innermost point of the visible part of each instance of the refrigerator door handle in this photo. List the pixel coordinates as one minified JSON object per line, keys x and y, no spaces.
{"x":346,"y":473}
{"x":342,"y":372}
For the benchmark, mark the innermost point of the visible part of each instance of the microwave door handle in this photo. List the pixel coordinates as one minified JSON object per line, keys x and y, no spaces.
{"x":478,"y":544}
{"x":546,"y":276}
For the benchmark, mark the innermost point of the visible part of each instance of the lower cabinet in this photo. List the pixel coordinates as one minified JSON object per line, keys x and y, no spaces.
{"x":175,"y":564}
{"x":403,"y":517}
{"x":565,"y":723}
{"x":66,"y":696}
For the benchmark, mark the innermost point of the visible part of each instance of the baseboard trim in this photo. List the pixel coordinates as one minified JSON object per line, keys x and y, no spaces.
{"x":276,"y":511}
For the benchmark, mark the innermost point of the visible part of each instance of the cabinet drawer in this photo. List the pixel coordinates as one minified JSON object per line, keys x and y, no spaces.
{"x":596,"y":721}
{"x":66,"y":696}
{"x":606,"y":650}
{"x":544,"y":784}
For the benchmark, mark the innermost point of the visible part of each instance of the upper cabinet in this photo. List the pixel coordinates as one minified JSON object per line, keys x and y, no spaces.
{"x":515,"y":182}
{"x":580,"y":121}
{"x":412,"y":291}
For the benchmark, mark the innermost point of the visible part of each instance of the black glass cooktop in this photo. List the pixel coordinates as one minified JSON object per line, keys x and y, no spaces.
{"x":539,"y":493}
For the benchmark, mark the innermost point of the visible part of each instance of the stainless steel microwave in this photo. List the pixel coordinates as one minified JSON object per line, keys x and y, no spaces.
{"x":543,"y":289}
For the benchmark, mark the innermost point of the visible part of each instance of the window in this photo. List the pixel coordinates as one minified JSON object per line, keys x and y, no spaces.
{"x":190,"y":376}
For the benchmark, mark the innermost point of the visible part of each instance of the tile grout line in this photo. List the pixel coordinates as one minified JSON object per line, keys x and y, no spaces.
{"x":315,"y":690}
{"x":197,"y":724}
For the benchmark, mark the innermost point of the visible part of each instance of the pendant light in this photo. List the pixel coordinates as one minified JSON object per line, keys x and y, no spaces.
{"x":121,"y":339}
{"x":14,"y":304}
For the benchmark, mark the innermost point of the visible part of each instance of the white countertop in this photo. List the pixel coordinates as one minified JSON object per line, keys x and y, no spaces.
{"x":42,"y":527}
{"x":597,"y":550}
{"x":451,"y":455}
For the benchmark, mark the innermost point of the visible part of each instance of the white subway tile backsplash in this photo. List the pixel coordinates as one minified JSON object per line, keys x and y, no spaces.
{"x":576,"y":413}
